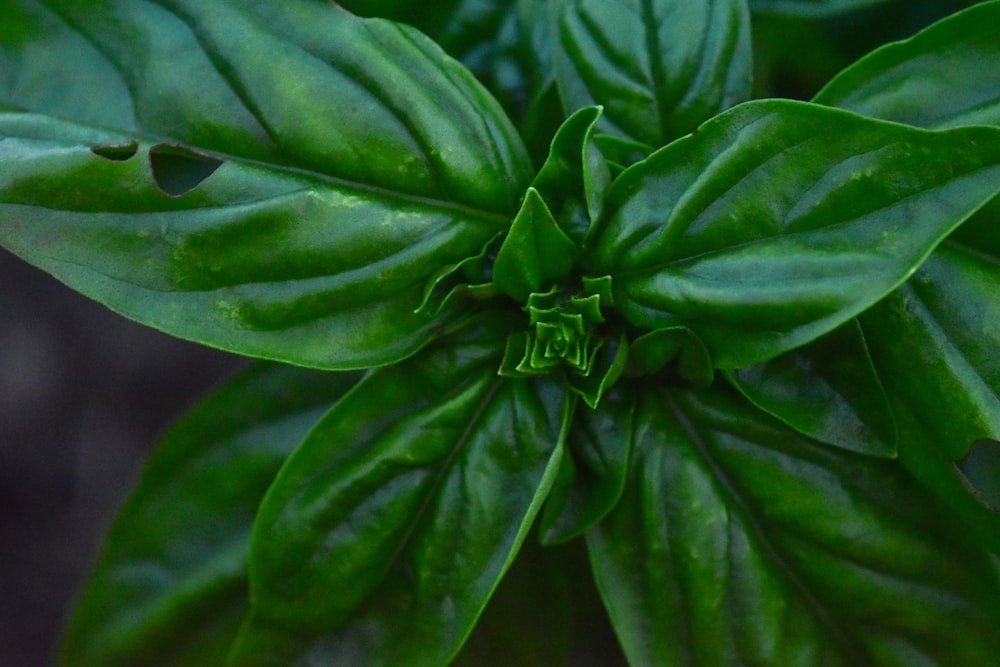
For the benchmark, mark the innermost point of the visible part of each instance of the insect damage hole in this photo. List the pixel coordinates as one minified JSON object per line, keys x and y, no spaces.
{"x":116,"y":152}
{"x":178,"y":170}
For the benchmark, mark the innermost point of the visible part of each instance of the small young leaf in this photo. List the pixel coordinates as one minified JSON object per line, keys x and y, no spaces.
{"x":655,"y":349}
{"x":827,"y":390}
{"x":536,"y":255}
{"x":386,"y":532}
{"x":575,"y":166}
{"x":780,"y":220}
{"x":605,"y":368}
{"x":739,"y":542}
{"x":945,"y":76}
{"x":659,"y":68}
{"x":170,"y":587}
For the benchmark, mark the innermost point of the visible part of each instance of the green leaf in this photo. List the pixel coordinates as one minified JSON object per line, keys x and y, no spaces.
{"x":536,"y":255}
{"x":458,"y":26}
{"x":780,"y":220}
{"x":593,"y":471}
{"x":945,"y":76}
{"x":942,"y":324}
{"x":520,"y":68}
{"x":653,"y":350}
{"x":827,"y":390}
{"x":939,"y":324}
{"x":490,"y":37}
{"x":811,"y":8}
{"x":34,"y":76}
{"x":929,"y":442}
{"x":739,"y":542}
{"x":659,"y":67}
{"x":607,"y":365}
{"x":934,"y":343}
{"x":575,"y":166}
{"x":312,"y":239}
{"x":386,"y":532}
{"x":170,"y":587}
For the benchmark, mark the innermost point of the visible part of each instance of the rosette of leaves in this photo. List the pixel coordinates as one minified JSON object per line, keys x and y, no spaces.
{"x":731,"y":349}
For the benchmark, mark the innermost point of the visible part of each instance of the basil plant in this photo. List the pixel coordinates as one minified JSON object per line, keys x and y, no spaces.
{"x":557,"y":328}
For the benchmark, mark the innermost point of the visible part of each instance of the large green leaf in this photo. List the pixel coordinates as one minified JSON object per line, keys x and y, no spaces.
{"x":940,"y":324}
{"x":811,"y":8}
{"x":593,"y":470}
{"x":659,"y":67}
{"x":386,"y":532}
{"x":945,"y":76}
{"x":519,"y":67}
{"x":827,"y":390}
{"x":170,"y":587}
{"x":467,"y":29}
{"x":740,"y":542}
{"x":934,"y":342}
{"x":507,"y":44}
{"x":779,"y":220}
{"x":337,"y":180}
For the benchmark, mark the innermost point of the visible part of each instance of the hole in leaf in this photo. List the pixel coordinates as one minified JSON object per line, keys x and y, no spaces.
{"x":980,"y":470}
{"x":179,"y":170}
{"x":116,"y":152}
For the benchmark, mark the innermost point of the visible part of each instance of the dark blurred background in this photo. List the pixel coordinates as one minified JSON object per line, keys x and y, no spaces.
{"x":83,"y":395}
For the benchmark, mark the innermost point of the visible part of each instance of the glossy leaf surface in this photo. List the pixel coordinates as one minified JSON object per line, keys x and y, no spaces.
{"x":503,"y":43}
{"x":943,"y":324}
{"x":386,"y":532}
{"x":170,"y":587}
{"x":593,"y":469}
{"x":659,"y":67}
{"x":536,"y":253}
{"x":934,"y":342}
{"x":739,"y":542}
{"x":312,"y":241}
{"x":459,"y":26}
{"x":945,"y":76}
{"x":575,"y":166}
{"x":827,"y":390}
{"x":934,"y":338}
{"x":780,"y":220}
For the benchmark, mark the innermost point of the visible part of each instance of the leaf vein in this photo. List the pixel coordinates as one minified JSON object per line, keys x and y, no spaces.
{"x":744,"y":507}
